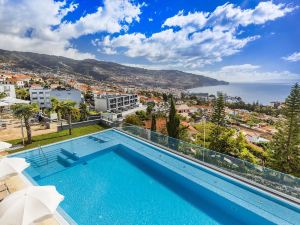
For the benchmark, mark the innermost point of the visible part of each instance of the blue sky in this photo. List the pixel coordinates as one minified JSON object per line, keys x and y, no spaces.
{"x":242,"y":41}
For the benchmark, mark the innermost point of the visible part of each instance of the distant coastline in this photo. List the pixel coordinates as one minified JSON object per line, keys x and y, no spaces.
{"x":264,"y":93}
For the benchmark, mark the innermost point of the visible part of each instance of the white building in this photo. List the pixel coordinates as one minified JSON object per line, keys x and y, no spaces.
{"x":116,"y":103}
{"x":67,"y":94}
{"x":43,"y":96}
{"x":8,"y":89}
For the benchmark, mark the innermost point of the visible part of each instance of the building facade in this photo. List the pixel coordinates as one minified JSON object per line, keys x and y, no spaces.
{"x":8,"y":89}
{"x":43,"y":96}
{"x":67,"y":94}
{"x":115,"y":103}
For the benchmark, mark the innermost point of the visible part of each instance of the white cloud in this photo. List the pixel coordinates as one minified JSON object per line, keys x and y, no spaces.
{"x":112,"y":18}
{"x":248,"y":73}
{"x":196,"y":39}
{"x":295,"y":57}
{"x":234,"y":73}
{"x":239,"y":68}
{"x":38,"y":26}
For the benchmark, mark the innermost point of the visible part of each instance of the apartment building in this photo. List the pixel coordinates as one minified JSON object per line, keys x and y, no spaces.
{"x":67,"y":94}
{"x":43,"y":96}
{"x":115,"y":103}
{"x":8,"y":89}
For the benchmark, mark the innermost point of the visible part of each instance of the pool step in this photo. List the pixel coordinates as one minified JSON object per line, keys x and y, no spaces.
{"x":71,"y":155}
{"x":65,"y":160}
{"x":38,"y":159}
{"x":96,"y":139}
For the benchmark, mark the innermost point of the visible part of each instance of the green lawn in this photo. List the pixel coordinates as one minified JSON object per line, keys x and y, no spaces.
{"x":45,"y":139}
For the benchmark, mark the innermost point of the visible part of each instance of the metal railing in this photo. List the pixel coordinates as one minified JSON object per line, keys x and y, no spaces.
{"x":283,"y":185}
{"x":43,"y":153}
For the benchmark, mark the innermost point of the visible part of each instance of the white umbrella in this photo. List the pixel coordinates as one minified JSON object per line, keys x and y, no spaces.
{"x":4,"y":145}
{"x":29,"y":205}
{"x":12,"y":166}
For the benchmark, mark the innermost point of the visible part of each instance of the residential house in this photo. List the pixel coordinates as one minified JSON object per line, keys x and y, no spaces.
{"x":115,"y":103}
{"x":8,"y":89}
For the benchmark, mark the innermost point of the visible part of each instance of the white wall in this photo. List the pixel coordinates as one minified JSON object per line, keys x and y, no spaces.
{"x":8,"y":89}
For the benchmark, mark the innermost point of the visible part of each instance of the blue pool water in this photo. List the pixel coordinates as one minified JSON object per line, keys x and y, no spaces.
{"x":110,"y":178}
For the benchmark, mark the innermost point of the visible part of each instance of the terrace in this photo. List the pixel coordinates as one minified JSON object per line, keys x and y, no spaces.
{"x":106,"y":162}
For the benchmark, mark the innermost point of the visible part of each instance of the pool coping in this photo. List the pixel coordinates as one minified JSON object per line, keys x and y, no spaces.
{"x":60,"y":215}
{"x":64,"y":217}
{"x":259,"y":187}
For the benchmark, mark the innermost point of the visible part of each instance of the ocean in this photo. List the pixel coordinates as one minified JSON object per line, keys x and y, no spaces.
{"x":264,"y":93}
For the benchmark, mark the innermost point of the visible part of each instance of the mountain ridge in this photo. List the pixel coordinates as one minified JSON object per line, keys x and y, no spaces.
{"x":104,"y":71}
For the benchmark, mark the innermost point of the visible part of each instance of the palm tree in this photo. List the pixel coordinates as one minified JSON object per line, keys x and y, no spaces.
{"x":25,"y":112}
{"x":56,"y":107}
{"x":68,"y":108}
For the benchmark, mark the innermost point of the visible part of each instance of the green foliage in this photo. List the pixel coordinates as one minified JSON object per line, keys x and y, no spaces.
{"x":23,"y":93}
{"x":222,"y":140}
{"x":255,"y":107}
{"x":134,"y":120}
{"x":89,"y":95}
{"x":56,"y":107}
{"x":228,"y":141}
{"x":153,"y":122}
{"x":173,"y":122}
{"x":68,"y":111}
{"x":150,"y":106}
{"x":218,"y":116}
{"x":50,"y":138}
{"x":25,"y":112}
{"x":76,"y":115}
{"x":209,"y":127}
{"x":165,"y":97}
{"x":141,"y":114}
{"x":83,"y":111}
{"x":286,"y":141}
{"x":2,"y":95}
{"x":248,"y":156}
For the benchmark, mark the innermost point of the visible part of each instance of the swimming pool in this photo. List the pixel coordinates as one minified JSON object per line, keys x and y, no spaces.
{"x":112,"y":178}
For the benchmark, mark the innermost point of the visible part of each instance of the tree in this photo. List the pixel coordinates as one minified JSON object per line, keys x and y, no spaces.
{"x":165,"y":97}
{"x":153,"y":123}
{"x":68,"y":108}
{"x":25,"y":112}
{"x":89,"y":95}
{"x":134,"y":120}
{"x":83,"y":111}
{"x":2,"y":95}
{"x":286,"y":142}
{"x":173,"y":122}
{"x":218,"y":116}
{"x":150,"y":106}
{"x":56,"y":107}
{"x":222,"y":140}
{"x":141,"y":114}
{"x":23,"y":93}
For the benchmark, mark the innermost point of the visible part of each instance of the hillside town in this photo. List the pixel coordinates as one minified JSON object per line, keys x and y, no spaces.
{"x":120,"y":103}
{"x":136,"y":112}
